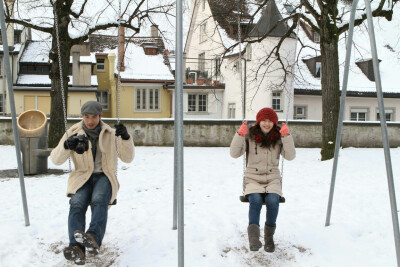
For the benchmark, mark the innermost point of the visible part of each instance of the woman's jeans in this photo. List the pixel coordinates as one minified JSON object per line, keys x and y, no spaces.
{"x":96,"y":192}
{"x":256,"y":201}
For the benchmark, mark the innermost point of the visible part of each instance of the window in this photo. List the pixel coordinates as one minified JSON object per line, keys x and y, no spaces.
{"x":147,"y":99}
{"x":249,"y":52}
{"x":102,"y":98}
{"x":316,"y":37}
{"x":231,"y":110}
{"x":276,"y":100}
{"x":318,"y":69}
{"x":101,"y":65}
{"x":289,"y":8}
{"x":358,"y":114}
{"x":197,"y":103}
{"x":300,"y":113}
{"x":203,"y":33}
{"x":202,"y":62}
{"x":388,"y":114}
{"x":203,"y":4}
{"x":1,"y":104}
{"x":217,"y":66}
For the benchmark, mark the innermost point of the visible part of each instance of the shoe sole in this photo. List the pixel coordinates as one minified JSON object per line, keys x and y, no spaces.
{"x":70,"y":255}
{"x":83,"y":239}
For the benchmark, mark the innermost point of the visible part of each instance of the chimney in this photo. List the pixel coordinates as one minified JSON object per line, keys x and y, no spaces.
{"x":121,"y":48}
{"x":10,"y":26}
{"x":154,"y":31}
{"x":75,"y":68}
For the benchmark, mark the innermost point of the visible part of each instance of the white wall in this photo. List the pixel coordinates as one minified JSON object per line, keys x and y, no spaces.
{"x":314,"y":106}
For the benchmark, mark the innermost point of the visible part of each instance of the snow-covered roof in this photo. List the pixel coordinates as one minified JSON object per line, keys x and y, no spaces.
{"x":17,"y":48}
{"x":139,"y":66}
{"x":32,"y":79}
{"x":36,"y":52}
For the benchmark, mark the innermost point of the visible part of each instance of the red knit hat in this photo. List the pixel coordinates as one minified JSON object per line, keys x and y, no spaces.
{"x":267,"y":114}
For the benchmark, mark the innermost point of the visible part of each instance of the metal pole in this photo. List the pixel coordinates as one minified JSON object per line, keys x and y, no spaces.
{"x":13,"y":113}
{"x":341,"y":111}
{"x":175,"y":203}
{"x":179,"y":130}
{"x":385,"y":139}
{"x":4,"y":89}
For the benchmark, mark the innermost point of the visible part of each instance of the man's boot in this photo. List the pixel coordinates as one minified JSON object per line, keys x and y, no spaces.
{"x":88,"y":241}
{"x":74,"y":254}
{"x":269,"y":232}
{"x":253,"y":230}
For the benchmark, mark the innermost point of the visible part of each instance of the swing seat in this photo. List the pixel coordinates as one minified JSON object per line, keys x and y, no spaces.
{"x":244,"y":199}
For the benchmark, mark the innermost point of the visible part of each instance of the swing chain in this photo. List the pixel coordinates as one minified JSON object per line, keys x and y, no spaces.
{"x":61,"y":79}
{"x":118,"y":83}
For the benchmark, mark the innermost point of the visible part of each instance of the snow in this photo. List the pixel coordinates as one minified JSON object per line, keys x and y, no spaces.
{"x":28,"y":79}
{"x":139,"y":231}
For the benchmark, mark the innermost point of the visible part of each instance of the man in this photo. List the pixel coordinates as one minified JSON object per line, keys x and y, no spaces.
{"x":91,"y":144}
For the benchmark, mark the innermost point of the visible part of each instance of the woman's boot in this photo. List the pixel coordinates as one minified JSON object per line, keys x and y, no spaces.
{"x":253,"y":230}
{"x":269,"y":238}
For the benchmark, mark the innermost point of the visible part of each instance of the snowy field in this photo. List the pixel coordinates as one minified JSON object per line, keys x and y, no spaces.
{"x":139,"y":231}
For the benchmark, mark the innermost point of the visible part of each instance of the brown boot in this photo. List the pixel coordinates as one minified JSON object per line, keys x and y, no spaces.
{"x":74,"y":254}
{"x":269,"y":232}
{"x":88,"y":241}
{"x":253,"y":230}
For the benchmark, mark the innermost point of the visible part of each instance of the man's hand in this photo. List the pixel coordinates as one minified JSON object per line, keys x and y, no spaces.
{"x":71,"y":142}
{"x":120,"y":130}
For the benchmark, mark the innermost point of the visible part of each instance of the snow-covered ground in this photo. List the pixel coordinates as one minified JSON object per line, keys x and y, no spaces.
{"x":139,"y":231}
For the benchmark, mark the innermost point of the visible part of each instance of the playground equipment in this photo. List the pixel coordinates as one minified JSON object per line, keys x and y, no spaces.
{"x":32,"y":126}
{"x":385,"y":138}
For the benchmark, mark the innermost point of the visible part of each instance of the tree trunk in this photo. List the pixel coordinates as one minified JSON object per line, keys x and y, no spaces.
{"x":330,"y":85}
{"x":57,"y":120}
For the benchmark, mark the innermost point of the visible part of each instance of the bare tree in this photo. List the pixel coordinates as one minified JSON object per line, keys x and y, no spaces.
{"x":76,"y":20}
{"x":325,"y":18}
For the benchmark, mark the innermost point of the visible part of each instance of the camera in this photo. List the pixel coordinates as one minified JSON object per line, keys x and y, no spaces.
{"x":82,"y":143}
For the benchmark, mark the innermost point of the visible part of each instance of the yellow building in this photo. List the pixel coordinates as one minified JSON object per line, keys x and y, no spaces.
{"x":144,"y":77}
{"x":33,"y":85}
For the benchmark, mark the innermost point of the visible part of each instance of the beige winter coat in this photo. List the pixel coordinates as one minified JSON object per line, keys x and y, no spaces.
{"x":262,"y":174}
{"x":84,"y":164}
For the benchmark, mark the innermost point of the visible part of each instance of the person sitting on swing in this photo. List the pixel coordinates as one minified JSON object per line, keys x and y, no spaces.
{"x":263,"y":182}
{"x":91,"y":144}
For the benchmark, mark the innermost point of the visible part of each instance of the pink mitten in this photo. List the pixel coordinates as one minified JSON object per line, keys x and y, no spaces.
{"x":243,"y":129}
{"x":284,"y":130}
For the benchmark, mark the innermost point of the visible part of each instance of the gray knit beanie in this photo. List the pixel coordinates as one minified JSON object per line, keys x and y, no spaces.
{"x":92,"y":107}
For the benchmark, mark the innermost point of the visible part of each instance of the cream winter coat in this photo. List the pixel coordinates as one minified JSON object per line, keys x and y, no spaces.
{"x":84,"y":164}
{"x":262,"y":174}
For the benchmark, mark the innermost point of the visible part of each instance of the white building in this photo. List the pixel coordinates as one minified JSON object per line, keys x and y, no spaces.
{"x":212,"y":51}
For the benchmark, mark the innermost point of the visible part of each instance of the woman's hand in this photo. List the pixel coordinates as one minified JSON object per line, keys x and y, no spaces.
{"x":243,"y":129}
{"x":284,"y":130}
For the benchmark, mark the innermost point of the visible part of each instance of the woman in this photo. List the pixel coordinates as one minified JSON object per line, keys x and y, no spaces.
{"x":263,"y":182}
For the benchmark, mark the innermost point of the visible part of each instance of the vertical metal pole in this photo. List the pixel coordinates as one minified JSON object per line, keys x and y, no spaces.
{"x":179,"y":130}
{"x":13,"y":113}
{"x":385,"y":138}
{"x":175,"y":203}
{"x":341,"y":111}
{"x":4,"y":88}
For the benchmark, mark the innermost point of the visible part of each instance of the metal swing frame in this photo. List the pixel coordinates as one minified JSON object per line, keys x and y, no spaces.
{"x":385,"y":139}
{"x":6,"y":60}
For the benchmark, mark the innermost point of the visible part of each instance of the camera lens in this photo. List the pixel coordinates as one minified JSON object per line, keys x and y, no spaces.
{"x":80,"y":148}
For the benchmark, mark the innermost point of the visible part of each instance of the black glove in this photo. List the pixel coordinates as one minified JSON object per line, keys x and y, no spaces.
{"x":120,"y":130}
{"x":71,"y":142}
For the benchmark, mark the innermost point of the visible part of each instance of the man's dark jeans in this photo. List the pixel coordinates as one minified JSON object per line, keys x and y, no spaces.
{"x":256,"y":201}
{"x":96,"y":192}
